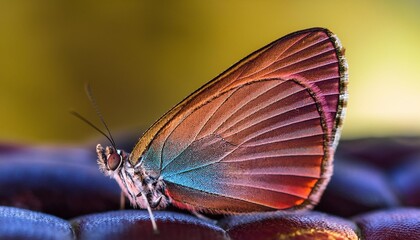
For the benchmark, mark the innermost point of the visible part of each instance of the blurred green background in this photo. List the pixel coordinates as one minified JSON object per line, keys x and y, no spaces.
{"x":143,"y":57}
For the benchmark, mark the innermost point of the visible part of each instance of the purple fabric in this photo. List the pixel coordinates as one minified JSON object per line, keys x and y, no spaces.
{"x":67,"y":197}
{"x":62,"y":182}
{"x":16,"y":223}
{"x":394,"y":224}
{"x":405,"y":180}
{"x":129,"y":224}
{"x":279,"y":225}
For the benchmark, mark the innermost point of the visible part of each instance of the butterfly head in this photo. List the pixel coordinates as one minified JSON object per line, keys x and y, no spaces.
{"x":110,"y":160}
{"x":142,"y":189}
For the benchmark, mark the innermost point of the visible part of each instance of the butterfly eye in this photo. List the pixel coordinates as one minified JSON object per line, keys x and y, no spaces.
{"x":114,"y":161}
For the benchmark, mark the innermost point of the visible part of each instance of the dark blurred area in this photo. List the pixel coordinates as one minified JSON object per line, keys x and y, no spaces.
{"x":142,"y":57}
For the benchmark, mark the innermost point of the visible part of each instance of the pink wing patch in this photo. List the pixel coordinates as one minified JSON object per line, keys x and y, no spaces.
{"x":268,"y":149}
{"x":261,"y":135}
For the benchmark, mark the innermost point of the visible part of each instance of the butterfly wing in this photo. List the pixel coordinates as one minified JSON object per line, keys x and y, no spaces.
{"x":260,"y":136}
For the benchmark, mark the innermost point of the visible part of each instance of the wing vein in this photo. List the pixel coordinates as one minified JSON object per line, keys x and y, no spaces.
{"x":279,"y":55}
{"x":263,"y":188}
{"x":274,"y":156}
{"x":244,"y":160}
{"x":246,"y":103}
{"x":300,"y":50}
{"x":270,"y":117}
{"x":194,"y":137}
{"x":217,"y":109}
{"x":256,"y":110}
{"x":300,"y":61}
{"x":281,"y":140}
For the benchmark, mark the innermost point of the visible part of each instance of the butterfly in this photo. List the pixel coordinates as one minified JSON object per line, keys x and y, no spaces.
{"x":259,"y":137}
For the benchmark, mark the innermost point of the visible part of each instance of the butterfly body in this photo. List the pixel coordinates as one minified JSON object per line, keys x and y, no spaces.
{"x":259,"y":137}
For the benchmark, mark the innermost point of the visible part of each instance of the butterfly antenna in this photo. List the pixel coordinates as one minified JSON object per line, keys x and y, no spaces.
{"x":95,"y":106}
{"x":76,"y":114}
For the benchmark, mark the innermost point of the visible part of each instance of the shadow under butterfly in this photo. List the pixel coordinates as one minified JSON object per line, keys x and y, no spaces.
{"x":259,"y":137}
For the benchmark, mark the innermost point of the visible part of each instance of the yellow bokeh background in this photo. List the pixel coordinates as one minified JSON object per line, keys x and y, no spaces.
{"x":142,"y":57}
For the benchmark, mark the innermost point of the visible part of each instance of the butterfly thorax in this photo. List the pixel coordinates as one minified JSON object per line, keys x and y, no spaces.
{"x":139,"y":186}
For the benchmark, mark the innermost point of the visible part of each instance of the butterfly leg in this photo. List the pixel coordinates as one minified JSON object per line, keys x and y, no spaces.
{"x":156,"y":202}
{"x":122,"y":201}
{"x":149,"y":210}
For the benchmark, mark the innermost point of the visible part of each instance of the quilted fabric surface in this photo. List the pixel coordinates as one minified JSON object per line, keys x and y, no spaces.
{"x":59,"y":193}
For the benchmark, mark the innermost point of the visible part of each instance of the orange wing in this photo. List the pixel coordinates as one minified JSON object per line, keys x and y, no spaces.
{"x":260,"y":136}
